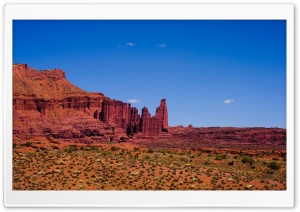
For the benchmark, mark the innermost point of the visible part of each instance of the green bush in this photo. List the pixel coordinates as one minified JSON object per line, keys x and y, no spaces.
{"x":274,"y":165}
{"x":246,"y":159}
{"x":220,"y":157}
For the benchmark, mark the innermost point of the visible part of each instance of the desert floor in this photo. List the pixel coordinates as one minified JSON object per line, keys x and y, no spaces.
{"x":42,"y":165}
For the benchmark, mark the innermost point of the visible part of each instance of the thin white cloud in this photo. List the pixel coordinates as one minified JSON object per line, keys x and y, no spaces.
{"x":133,"y":101}
{"x":228,"y":101}
{"x":162,"y":45}
{"x":130,"y":44}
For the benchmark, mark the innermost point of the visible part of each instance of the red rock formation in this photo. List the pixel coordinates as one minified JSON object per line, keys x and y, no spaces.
{"x":121,"y":114}
{"x":134,"y":126}
{"x":45,"y":103}
{"x":47,"y":90}
{"x":190,"y":126}
{"x":116,"y":112}
{"x":145,"y":122}
{"x":23,"y":70}
{"x":162,"y":114}
{"x":151,"y":126}
{"x":47,"y":97}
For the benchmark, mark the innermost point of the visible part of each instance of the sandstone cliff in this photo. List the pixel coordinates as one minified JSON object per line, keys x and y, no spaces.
{"x":45,"y":103}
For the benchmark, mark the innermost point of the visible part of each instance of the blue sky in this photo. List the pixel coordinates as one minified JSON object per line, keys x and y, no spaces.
{"x":212,"y":73}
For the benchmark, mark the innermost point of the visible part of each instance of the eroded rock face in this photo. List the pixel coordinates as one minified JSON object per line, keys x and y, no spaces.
{"x":115,"y":112}
{"x":151,"y":126}
{"x":48,"y":90}
{"x":154,"y":126}
{"x":162,"y":115}
{"x":43,"y":100}
{"x":135,"y":119}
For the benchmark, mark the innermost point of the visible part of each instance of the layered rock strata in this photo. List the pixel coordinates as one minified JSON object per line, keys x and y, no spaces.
{"x":45,"y":102}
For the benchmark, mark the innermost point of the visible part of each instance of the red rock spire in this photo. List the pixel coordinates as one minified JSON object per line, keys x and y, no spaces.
{"x":162,"y":114}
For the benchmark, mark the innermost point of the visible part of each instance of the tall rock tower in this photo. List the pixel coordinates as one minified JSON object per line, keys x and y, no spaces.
{"x":154,"y":126}
{"x":162,"y":115}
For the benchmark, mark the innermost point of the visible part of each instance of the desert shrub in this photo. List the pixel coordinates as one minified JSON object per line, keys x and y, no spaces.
{"x":184,"y":159}
{"x":150,"y":151}
{"x":146,"y":157}
{"x":28,"y":144}
{"x":115,"y":148}
{"x":218,"y":157}
{"x":247,"y":159}
{"x":230,"y":163}
{"x":71,"y":149}
{"x":94,"y":148}
{"x":84,"y":148}
{"x":207,"y":162}
{"x":191,"y":156}
{"x":136,"y":149}
{"x":156,"y":156}
{"x":274,"y":165}
{"x":252,"y":161}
